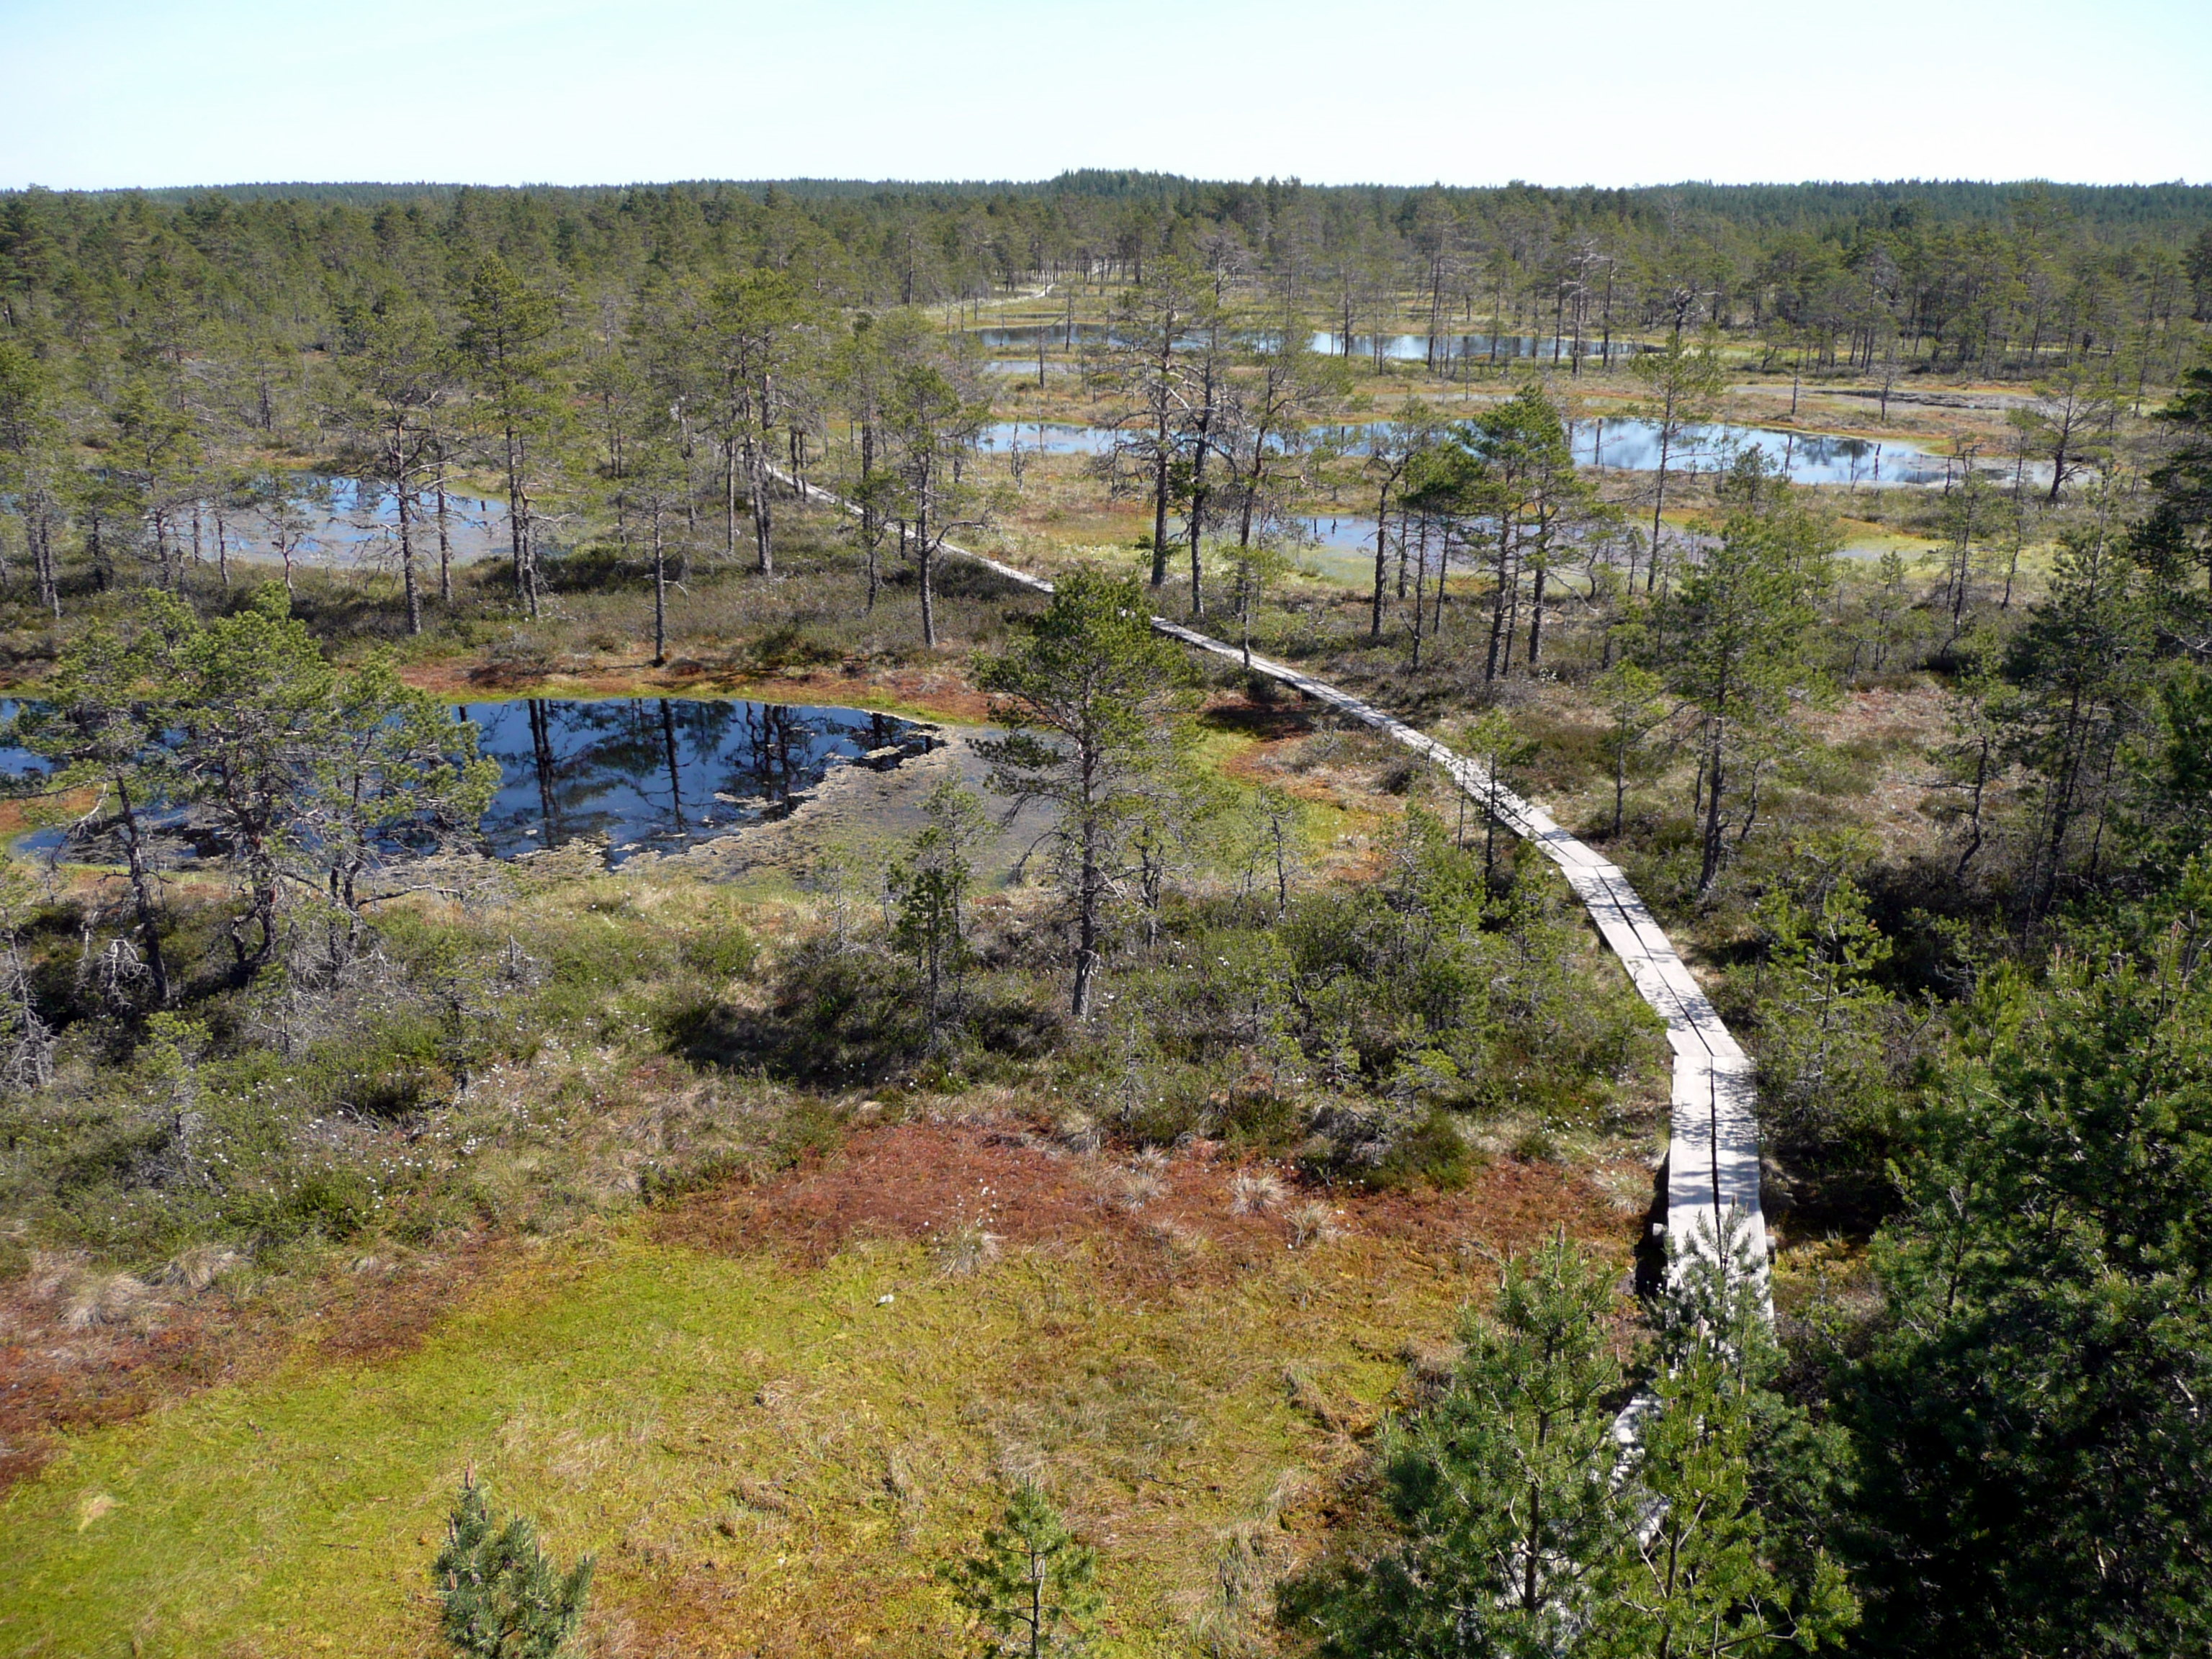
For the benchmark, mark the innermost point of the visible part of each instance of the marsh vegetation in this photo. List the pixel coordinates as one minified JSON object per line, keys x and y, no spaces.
{"x":1164,"y":1144}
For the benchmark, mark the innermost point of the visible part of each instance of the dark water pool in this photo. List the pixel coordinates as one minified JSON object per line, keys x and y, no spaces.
{"x":664,"y":773}
{"x":657,"y":773}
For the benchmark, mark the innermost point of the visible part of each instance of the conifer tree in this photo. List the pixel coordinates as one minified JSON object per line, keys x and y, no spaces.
{"x":1091,"y":693}
{"x":507,"y":341}
{"x":100,"y":723}
{"x":2028,"y":1408}
{"x":1739,"y":629}
{"x":929,"y":886}
{"x":34,"y":463}
{"x":1634,"y":709}
{"x":1709,"y":1564}
{"x":1031,"y":1588}
{"x":503,"y":1599}
{"x":1504,"y":1490}
{"x":2079,"y":675}
{"x":1681,"y":384}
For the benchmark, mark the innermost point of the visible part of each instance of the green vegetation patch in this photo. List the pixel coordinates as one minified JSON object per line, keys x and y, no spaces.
{"x":751,"y":1448}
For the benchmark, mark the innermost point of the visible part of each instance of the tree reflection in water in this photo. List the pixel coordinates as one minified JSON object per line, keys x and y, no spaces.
{"x":663,"y":773}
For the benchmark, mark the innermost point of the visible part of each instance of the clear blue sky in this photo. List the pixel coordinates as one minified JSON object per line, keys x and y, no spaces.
{"x":99,"y":93}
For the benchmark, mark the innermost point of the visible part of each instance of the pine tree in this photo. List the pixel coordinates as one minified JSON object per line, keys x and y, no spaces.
{"x":506,"y":342}
{"x":1092,"y":695}
{"x":2175,"y":538}
{"x":2028,"y":1409}
{"x":101,"y":722}
{"x":1030,"y":1590}
{"x":1634,"y":709}
{"x":34,"y":463}
{"x":1741,"y":628}
{"x":1682,"y":383}
{"x":929,"y":884}
{"x":1823,"y":1077}
{"x":1711,"y":1563}
{"x":1502,"y":1491}
{"x":2079,"y":677}
{"x":503,"y":1598}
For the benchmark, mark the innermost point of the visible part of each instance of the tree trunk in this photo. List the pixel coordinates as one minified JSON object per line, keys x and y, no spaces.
{"x":444,"y":544}
{"x":1160,"y":508}
{"x":1659,"y":500}
{"x":1198,"y":522}
{"x":517,"y":532}
{"x":1536,"y":618}
{"x":872,"y":527}
{"x":42,"y":526}
{"x":142,"y":894}
{"x":1421,"y":597}
{"x":1711,"y":870}
{"x":1492,"y":662}
{"x":1382,"y":545}
{"x":921,"y":564}
{"x":659,"y":593}
{"x":1090,"y":893}
{"x":763,"y":548}
{"x":406,"y":532}
{"x":729,"y":501}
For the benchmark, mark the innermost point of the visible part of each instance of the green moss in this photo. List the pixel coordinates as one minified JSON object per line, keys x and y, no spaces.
{"x":751,"y":1448}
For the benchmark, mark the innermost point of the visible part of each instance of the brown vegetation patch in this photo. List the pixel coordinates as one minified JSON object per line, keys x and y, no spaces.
{"x":55,"y":1380}
{"x":1901,"y":717}
{"x":951,"y":1183}
{"x":81,"y":1349}
{"x":18,"y":815}
{"x":387,"y":1307}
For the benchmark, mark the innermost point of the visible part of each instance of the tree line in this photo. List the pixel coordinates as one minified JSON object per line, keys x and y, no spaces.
{"x":626,"y":365}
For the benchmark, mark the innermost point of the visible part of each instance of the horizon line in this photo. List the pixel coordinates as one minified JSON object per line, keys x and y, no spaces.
{"x":34,"y":187}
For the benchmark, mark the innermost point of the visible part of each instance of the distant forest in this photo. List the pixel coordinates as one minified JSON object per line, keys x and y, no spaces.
{"x":2002,"y":279}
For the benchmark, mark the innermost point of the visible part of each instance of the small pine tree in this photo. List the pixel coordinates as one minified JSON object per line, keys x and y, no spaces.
{"x":504,"y":1599}
{"x":929,"y":886}
{"x":1725,"y":1473}
{"x":1502,"y":1491}
{"x":1030,"y":1588}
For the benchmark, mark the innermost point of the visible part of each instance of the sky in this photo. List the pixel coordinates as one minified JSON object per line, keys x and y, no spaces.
{"x":100,"y":94}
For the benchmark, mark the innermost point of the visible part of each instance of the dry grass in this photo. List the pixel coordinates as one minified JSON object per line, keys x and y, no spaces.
{"x":1313,"y":1223}
{"x":1255,"y":1192}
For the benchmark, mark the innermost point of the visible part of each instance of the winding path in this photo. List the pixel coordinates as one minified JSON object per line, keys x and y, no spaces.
{"x":1712,"y":1153}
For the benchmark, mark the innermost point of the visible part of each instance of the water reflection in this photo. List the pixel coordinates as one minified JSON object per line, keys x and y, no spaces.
{"x":1396,"y":348}
{"x":658,"y":774}
{"x":1815,"y":457}
{"x":1348,"y":530}
{"x":336,"y":523}
{"x":662,"y":773}
{"x":1622,"y":445}
{"x":1444,"y":348}
{"x":1048,"y":438}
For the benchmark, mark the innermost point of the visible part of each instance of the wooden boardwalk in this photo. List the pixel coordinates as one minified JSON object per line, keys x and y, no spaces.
{"x":1712,"y":1153}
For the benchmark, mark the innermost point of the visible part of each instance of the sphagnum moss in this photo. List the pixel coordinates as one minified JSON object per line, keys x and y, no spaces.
{"x":761,"y":1454}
